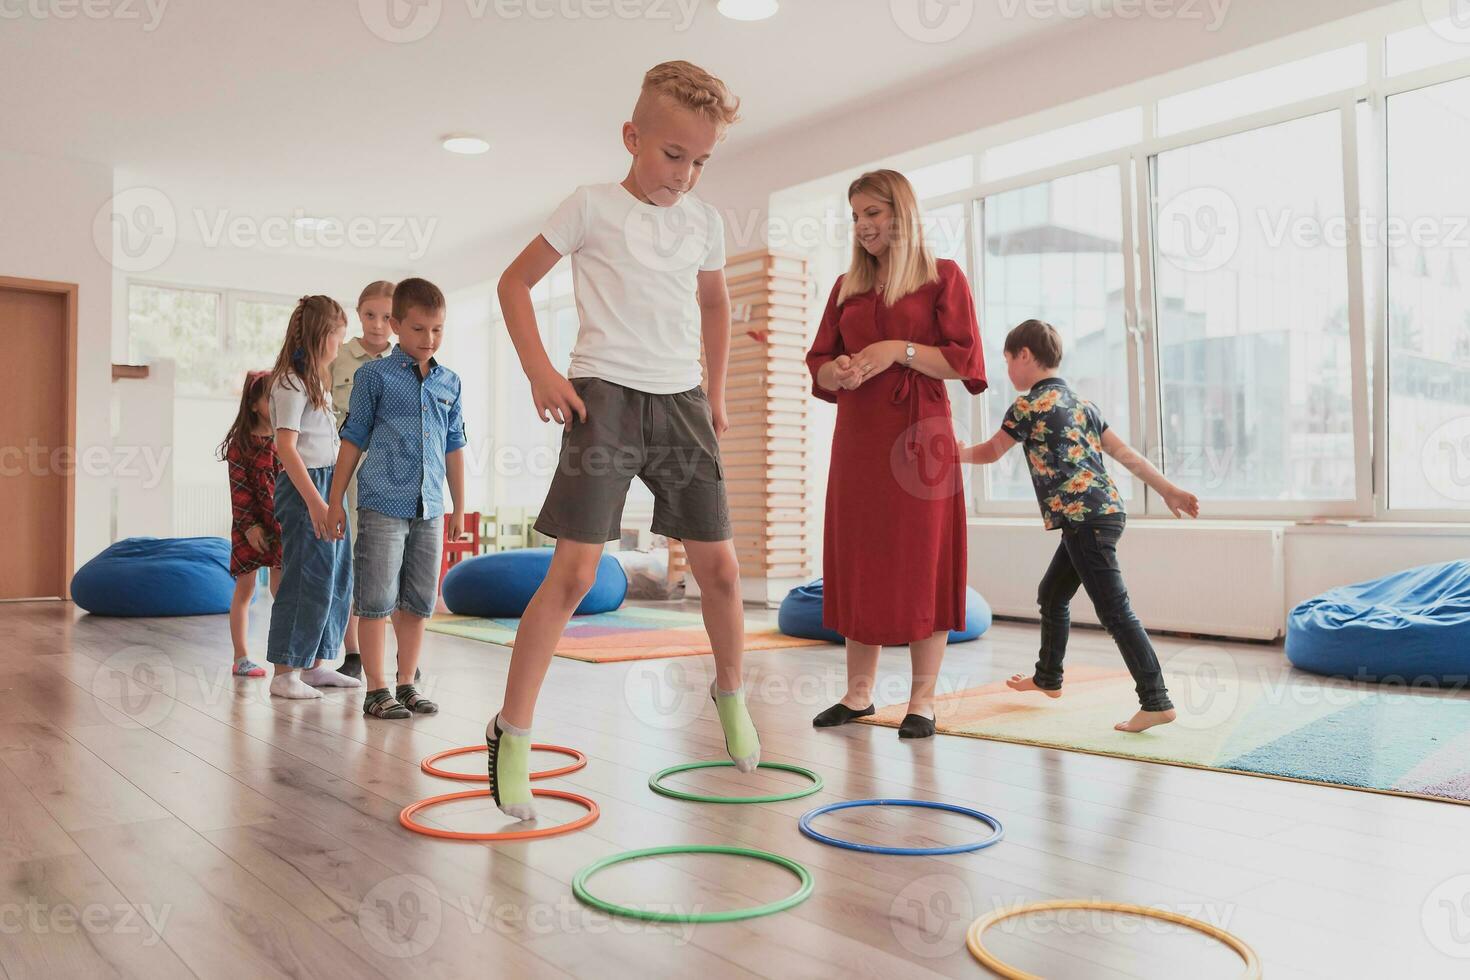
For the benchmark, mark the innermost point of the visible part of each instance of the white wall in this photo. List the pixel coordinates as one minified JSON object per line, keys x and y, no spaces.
{"x":1321,"y":557}
{"x":146,"y":420}
{"x":47,"y":207}
{"x":470,"y":349}
{"x":1175,"y":585}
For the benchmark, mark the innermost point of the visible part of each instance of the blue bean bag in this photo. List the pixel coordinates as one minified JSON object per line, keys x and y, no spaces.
{"x":501,"y":585}
{"x":1411,"y":627}
{"x":157,"y":577}
{"x":801,"y":615}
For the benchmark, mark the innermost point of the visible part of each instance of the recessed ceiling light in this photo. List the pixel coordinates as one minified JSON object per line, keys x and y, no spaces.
{"x":468,"y":145}
{"x":748,"y":9}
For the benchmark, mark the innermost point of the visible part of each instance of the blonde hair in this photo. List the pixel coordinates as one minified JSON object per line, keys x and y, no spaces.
{"x":687,"y":86}
{"x":380,"y":288}
{"x":303,"y":353}
{"x":910,"y":263}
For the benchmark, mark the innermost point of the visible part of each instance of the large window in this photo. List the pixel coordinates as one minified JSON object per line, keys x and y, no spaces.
{"x":1261,"y":280}
{"x":1054,"y":252}
{"x":1252,"y":313}
{"x":213,"y":336}
{"x":1428,"y":240}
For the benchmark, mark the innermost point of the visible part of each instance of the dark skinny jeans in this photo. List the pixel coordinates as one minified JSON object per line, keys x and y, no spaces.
{"x":1088,"y":557}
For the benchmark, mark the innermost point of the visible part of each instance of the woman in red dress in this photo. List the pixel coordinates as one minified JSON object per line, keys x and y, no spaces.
{"x":898,"y":324}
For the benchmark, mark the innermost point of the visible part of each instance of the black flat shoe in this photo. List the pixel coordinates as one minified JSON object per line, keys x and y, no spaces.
{"x":351,"y":666}
{"x":916,"y":726}
{"x":840,"y":714}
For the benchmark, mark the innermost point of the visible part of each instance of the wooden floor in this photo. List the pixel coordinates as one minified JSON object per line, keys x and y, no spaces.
{"x":161,"y":819}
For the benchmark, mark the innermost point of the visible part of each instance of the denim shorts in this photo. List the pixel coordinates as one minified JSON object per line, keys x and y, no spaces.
{"x":396,"y":564}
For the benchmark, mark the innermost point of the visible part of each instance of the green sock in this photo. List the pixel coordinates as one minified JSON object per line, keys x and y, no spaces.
{"x":510,"y":769}
{"x":741,"y":740}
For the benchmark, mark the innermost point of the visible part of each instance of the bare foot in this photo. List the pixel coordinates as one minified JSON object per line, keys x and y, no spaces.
{"x":1145,"y":720}
{"x":1025,"y":682}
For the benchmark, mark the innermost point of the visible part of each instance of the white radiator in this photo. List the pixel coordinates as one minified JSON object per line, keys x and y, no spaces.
{"x":202,"y":509}
{"x":1210,"y":578}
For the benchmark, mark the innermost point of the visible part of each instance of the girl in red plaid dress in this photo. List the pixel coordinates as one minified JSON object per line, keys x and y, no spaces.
{"x":255,"y":535}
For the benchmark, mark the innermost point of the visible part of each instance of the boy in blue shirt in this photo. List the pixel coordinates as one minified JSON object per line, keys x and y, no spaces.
{"x":405,"y":413}
{"x":1064,"y":437}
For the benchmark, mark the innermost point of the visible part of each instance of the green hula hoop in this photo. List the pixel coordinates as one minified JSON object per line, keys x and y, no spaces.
{"x":654,"y":783}
{"x":579,"y":885}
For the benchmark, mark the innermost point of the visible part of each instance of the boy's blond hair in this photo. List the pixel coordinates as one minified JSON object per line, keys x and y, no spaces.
{"x":687,"y":86}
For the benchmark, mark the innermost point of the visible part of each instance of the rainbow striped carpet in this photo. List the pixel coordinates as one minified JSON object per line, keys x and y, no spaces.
{"x":1290,"y":726}
{"x":629,"y":633}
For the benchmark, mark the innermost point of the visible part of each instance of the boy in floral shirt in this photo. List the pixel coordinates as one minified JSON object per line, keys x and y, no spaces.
{"x":1064,"y":437}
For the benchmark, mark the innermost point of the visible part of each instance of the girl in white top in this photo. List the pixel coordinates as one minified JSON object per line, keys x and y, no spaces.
{"x":310,"y":611}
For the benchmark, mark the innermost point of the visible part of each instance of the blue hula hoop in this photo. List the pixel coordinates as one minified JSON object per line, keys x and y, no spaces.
{"x":997,"y":830}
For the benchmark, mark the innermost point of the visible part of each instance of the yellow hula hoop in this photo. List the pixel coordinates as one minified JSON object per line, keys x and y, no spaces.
{"x":990,"y":962}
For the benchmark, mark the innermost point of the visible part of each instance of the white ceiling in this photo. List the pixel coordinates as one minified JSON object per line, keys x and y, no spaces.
{"x":268,"y":108}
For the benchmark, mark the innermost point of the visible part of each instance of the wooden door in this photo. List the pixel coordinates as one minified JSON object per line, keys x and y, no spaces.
{"x":37,"y":438}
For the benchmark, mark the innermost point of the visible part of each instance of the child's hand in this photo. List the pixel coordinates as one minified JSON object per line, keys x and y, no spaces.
{"x":316,"y":508}
{"x":337,"y":521}
{"x":846,"y":375}
{"x":255,"y":536}
{"x":454,"y":531}
{"x":718,"y":417}
{"x":874,"y":359}
{"x":1181,"y":502}
{"x":556,"y":399}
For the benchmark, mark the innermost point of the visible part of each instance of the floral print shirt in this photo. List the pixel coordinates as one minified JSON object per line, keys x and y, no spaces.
{"x":1061,"y":435}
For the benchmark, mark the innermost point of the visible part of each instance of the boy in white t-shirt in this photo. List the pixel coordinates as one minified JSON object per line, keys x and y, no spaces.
{"x":647,"y":272}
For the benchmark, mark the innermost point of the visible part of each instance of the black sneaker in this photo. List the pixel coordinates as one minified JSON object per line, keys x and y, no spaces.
{"x":351,"y":666}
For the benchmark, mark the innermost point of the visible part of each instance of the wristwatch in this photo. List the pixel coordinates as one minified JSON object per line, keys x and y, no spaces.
{"x":908,"y":353}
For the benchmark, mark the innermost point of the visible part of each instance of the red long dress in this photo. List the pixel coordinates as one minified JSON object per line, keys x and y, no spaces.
{"x":893,"y":566}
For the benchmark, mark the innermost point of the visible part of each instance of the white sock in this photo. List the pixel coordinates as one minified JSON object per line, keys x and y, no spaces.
{"x":506,"y":727}
{"x":325,"y":675}
{"x":289,"y":685}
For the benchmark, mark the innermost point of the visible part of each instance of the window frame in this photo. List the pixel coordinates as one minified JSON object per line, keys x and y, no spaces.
{"x":1386,"y":88}
{"x":224,"y":314}
{"x":982,"y":408}
{"x":1367,"y":319}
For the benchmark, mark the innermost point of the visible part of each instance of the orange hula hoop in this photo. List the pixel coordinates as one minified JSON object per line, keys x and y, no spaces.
{"x":579,"y":761}
{"x":406,"y":817}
